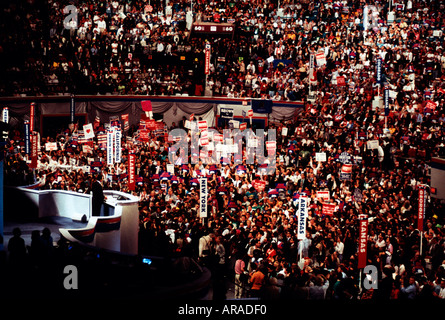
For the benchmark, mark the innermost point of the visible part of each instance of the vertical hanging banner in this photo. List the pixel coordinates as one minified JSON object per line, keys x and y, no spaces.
{"x":27,"y":142}
{"x":302,"y":215}
{"x":311,"y":61}
{"x":34,"y":150}
{"x":32,"y":116}
{"x":110,"y":147}
{"x":379,"y":70}
{"x":203,"y":193}
{"x":421,"y":209}
{"x":386,"y":100}
{"x":366,"y":18}
{"x":131,"y":171}
{"x":207,"y":59}
{"x":363,"y":241}
{"x":117,"y":145}
{"x":5,"y":115}
{"x":72,"y":109}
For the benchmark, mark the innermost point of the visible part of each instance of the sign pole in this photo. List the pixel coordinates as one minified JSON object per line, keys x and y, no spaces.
{"x":4,"y":132}
{"x":1,"y":201}
{"x":421,"y":240}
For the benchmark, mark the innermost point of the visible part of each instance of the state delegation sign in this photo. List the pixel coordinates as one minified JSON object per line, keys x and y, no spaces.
{"x":131,"y":171}
{"x":421,"y":207}
{"x":203,"y":193}
{"x":363,"y":241}
{"x":302,"y":209}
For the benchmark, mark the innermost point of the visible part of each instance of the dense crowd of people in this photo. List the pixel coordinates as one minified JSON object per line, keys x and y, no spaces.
{"x":250,"y":235}
{"x":141,"y":48}
{"x":259,"y":231}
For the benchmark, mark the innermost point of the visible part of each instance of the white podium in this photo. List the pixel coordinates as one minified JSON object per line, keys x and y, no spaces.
{"x":116,"y":230}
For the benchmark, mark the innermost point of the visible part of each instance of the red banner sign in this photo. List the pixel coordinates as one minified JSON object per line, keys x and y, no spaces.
{"x":421,"y":210}
{"x":159,"y":125}
{"x":259,"y":185}
{"x":131,"y":171}
{"x":144,"y":136}
{"x":207,"y":60}
{"x":341,"y":82}
{"x":218,"y":137}
{"x":271,"y":146}
{"x":34,"y":143}
{"x":150,"y":125}
{"x":363,"y":241}
{"x":328,"y":209}
{"x":323,"y":195}
{"x":431,"y":105}
{"x":202,"y":125}
{"x":31,"y":117}
{"x":146,"y":105}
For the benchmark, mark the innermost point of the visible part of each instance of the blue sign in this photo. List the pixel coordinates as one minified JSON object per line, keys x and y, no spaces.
{"x":344,"y":157}
{"x":226,"y":113}
{"x":379,"y":70}
{"x":27,"y":139}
